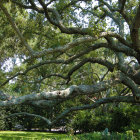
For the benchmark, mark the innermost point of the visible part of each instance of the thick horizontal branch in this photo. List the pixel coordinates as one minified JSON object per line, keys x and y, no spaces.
{"x":62,"y":94}
{"x":127,"y":99}
{"x":40,"y":103}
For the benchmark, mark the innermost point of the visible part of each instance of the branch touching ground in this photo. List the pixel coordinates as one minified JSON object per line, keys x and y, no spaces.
{"x":128,"y":99}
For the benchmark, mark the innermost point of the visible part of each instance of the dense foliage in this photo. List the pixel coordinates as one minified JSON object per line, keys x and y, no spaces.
{"x":61,"y":56}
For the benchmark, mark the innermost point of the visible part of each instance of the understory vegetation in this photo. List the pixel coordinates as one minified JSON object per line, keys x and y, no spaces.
{"x":116,"y":118}
{"x":71,"y":66}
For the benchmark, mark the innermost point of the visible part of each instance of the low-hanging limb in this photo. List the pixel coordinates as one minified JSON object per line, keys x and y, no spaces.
{"x":40,"y":103}
{"x":29,"y":114}
{"x":72,"y":91}
{"x":127,"y":99}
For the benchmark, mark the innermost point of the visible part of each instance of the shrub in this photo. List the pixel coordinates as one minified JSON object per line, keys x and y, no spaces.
{"x":119,"y":120}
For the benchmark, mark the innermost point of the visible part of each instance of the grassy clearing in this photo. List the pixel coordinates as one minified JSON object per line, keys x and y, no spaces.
{"x":23,"y":135}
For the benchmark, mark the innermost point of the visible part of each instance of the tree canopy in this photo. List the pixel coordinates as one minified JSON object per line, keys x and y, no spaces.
{"x":53,"y":51}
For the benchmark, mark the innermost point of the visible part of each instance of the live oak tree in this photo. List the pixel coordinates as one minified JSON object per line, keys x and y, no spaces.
{"x":63,"y":49}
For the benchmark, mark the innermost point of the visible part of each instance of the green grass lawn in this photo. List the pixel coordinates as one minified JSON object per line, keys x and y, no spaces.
{"x":23,"y":135}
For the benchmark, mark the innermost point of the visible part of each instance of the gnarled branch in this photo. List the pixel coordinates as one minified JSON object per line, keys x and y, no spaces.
{"x":128,"y":99}
{"x":62,"y":94}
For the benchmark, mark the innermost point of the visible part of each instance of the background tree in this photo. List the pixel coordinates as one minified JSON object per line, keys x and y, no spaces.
{"x":61,"y":50}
